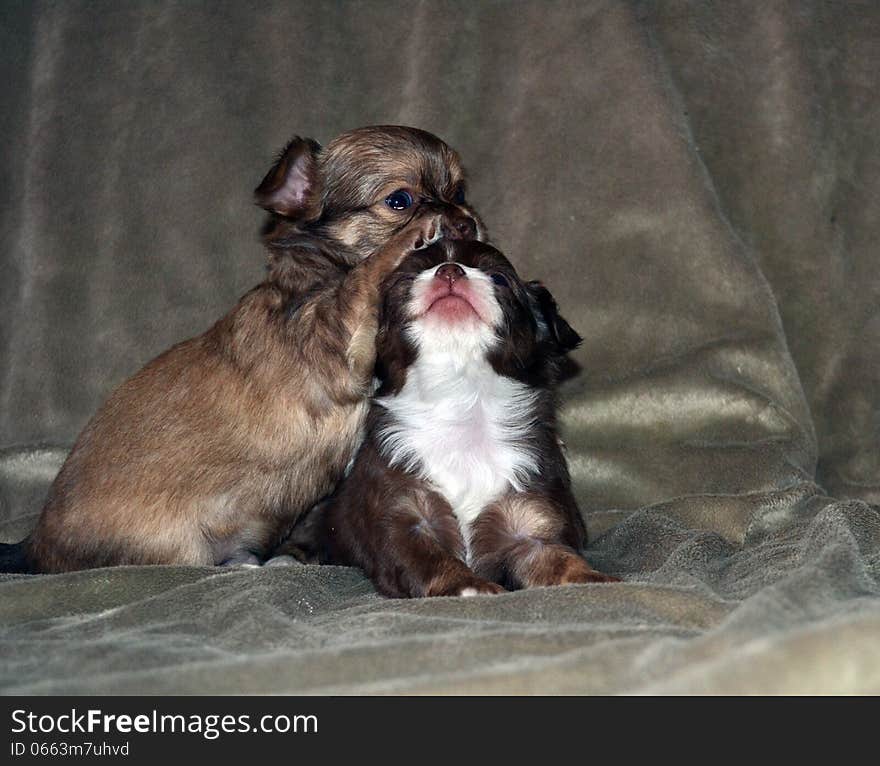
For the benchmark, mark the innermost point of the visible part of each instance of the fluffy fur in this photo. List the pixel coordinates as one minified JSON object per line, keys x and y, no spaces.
{"x":212,"y":452}
{"x":461,"y":487}
{"x":456,"y":423}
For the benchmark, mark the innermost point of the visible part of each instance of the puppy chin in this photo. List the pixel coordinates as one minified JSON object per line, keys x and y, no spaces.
{"x":460,"y":320}
{"x":452,"y":310}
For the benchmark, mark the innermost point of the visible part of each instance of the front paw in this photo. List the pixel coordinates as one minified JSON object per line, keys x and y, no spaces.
{"x":559,"y":566}
{"x":480,"y":588}
{"x":424,"y":232}
{"x":463,"y":584}
{"x":417,"y":235}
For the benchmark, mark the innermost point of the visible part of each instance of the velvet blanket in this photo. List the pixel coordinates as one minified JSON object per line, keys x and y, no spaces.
{"x":698,"y":183}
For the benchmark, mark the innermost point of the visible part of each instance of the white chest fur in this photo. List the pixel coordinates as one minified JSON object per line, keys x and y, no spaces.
{"x":461,"y":426}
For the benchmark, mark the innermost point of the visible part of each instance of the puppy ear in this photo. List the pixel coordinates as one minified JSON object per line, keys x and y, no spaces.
{"x":551,"y":326}
{"x":292,"y":187}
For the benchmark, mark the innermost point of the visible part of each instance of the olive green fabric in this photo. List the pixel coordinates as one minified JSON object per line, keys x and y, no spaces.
{"x":696,"y":182}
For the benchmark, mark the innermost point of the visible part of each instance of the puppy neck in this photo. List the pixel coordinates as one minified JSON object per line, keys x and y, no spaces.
{"x":459,"y":425}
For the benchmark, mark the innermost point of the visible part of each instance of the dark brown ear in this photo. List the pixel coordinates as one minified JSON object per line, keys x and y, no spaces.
{"x":551,"y":326}
{"x":292,"y":187}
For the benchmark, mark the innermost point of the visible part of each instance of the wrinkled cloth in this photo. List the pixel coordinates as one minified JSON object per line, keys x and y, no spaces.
{"x":696,"y":182}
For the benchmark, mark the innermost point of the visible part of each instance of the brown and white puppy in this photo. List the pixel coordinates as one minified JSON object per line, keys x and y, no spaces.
{"x":212,"y":451}
{"x":461,"y":486}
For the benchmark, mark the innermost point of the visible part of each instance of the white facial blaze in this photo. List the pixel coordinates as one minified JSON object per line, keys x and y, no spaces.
{"x":457,"y":423}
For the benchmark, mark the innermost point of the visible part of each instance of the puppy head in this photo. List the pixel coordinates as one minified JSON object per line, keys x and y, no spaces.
{"x":457,"y":301}
{"x":364,"y":186}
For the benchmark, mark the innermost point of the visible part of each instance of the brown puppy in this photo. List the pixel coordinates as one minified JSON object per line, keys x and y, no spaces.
{"x":460,"y":486}
{"x":211,"y":453}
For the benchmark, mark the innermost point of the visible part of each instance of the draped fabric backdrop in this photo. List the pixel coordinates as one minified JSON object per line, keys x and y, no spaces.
{"x":698,"y":183}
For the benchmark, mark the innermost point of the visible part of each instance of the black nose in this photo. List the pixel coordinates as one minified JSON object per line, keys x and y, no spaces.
{"x":451,"y":272}
{"x":462,"y":227}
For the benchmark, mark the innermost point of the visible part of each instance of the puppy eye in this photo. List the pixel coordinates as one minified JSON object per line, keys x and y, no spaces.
{"x":399,"y":200}
{"x":458,"y":197}
{"x":500,"y":280}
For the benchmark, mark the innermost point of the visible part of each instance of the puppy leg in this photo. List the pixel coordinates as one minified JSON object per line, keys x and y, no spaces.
{"x":425,"y":551}
{"x":408,"y":543}
{"x":521,"y":540}
{"x":358,"y":297}
{"x":559,"y":565}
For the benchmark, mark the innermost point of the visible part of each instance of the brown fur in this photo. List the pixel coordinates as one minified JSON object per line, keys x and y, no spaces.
{"x":399,"y":529}
{"x":525,"y":540}
{"x":216,"y":447}
{"x":353,"y":173}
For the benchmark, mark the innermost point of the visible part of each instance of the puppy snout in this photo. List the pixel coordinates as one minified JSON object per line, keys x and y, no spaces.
{"x":461,"y":226}
{"x":451,"y":272}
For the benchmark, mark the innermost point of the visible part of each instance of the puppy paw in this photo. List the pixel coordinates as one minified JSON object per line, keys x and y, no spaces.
{"x":284,"y":560}
{"x":484,"y":588}
{"x":417,"y":235}
{"x":463,"y":584}
{"x":241,"y":559}
{"x":559,"y":566}
{"x":426,"y":231}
